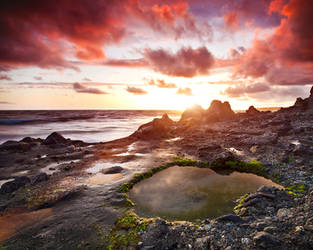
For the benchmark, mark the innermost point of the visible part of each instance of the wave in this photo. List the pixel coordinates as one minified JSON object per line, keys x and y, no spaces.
{"x":16,"y":122}
{"x":46,"y":120}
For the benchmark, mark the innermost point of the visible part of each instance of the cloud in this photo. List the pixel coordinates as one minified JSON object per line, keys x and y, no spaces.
{"x":136,"y":91}
{"x":47,"y":33}
{"x":263,"y":92}
{"x":184,"y":91}
{"x":245,"y":89}
{"x":130,"y":63}
{"x":231,"y":20}
{"x":240,"y":14}
{"x":288,"y":51}
{"x":80,"y":88}
{"x":6,"y":103}
{"x":65,"y":84}
{"x":162,"y":84}
{"x":173,"y":18}
{"x":5,"y":77}
{"x":186,"y":62}
{"x":33,"y":32}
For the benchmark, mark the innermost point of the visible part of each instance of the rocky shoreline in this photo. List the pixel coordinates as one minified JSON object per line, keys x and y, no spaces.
{"x":62,"y":194}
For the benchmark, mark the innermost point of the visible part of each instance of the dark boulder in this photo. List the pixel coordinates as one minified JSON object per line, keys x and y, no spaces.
{"x":265,"y":240}
{"x":219,"y":111}
{"x":15,"y":146}
{"x":12,"y":186}
{"x":113,"y":170}
{"x":40,"y":178}
{"x":32,"y":141}
{"x":158,"y":128}
{"x":221,"y":158}
{"x":231,"y":218}
{"x":55,"y":138}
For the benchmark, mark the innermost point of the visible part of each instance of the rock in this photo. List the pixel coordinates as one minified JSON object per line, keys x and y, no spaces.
{"x":195,"y":112}
{"x":55,"y":138}
{"x":31,"y":140}
{"x":40,"y":178}
{"x":267,"y":189}
{"x":230,"y":217}
{"x":266,"y":240}
{"x":245,"y":241}
{"x":300,"y":103}
{"x":12,"y":186}
{"x":284,"y":129}
{"x":202,"y":243}
{"x":309,"y":224}
{"x":270,"y":229}
{"x":158,"y":128}
{"x":283,"y":212}
{"x":252,"y":111}
{"x":15,"y":146}
{"x":302,"y":150}
{"x":254,"y":149}
{"x":219,"y":111}
{"x":223,"y":157}
{"x":113,"y":170}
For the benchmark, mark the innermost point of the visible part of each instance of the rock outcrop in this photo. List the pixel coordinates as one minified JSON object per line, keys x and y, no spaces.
{"x":252,"y":111}
{"x":302,"y":105}
{"x":158,"y":128}
{"x":55,"y":138}
{"x":219,"y":111}
{"x":14,"y":185}
{"x":195,"y":112}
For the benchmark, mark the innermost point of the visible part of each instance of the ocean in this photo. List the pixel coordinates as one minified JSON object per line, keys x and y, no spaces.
{"x":86,"y":125}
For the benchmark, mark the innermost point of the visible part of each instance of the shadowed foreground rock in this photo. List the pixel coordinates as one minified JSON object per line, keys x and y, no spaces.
{"x":158,"y":128}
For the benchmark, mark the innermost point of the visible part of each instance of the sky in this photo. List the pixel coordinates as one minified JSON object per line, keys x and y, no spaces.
{"x":154,"y":54}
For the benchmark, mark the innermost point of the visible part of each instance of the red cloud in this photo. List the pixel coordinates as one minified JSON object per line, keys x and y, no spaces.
{"x":288,"y":50}
{"x":187,"y":62}
{"x":136,"y":91}
{"x":131,"y":63}
{"x":231,"y":20}
{"x":162,"y":84}
{"x":184,"y":91}
{"x":241,"y":90}
{"x":170,"y":18}
{"x":81,"y":88}
{"x":32,"y":31}
{"x":5,"y":77}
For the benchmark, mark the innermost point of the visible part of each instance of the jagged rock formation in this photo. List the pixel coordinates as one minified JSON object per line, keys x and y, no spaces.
{"x":302,"y":105}
{"x":195,"y":112}
{"x":158,"y":128}
{"x":55,"y":138}
{"x":252,"y":111}
{"x":219,"y":111}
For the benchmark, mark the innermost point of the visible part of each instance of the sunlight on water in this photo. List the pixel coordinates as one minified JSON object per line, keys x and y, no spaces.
{"x":189,"y":193}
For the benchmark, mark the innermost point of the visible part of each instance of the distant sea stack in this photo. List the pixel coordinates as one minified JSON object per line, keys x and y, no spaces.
{"x":252,"y":111}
